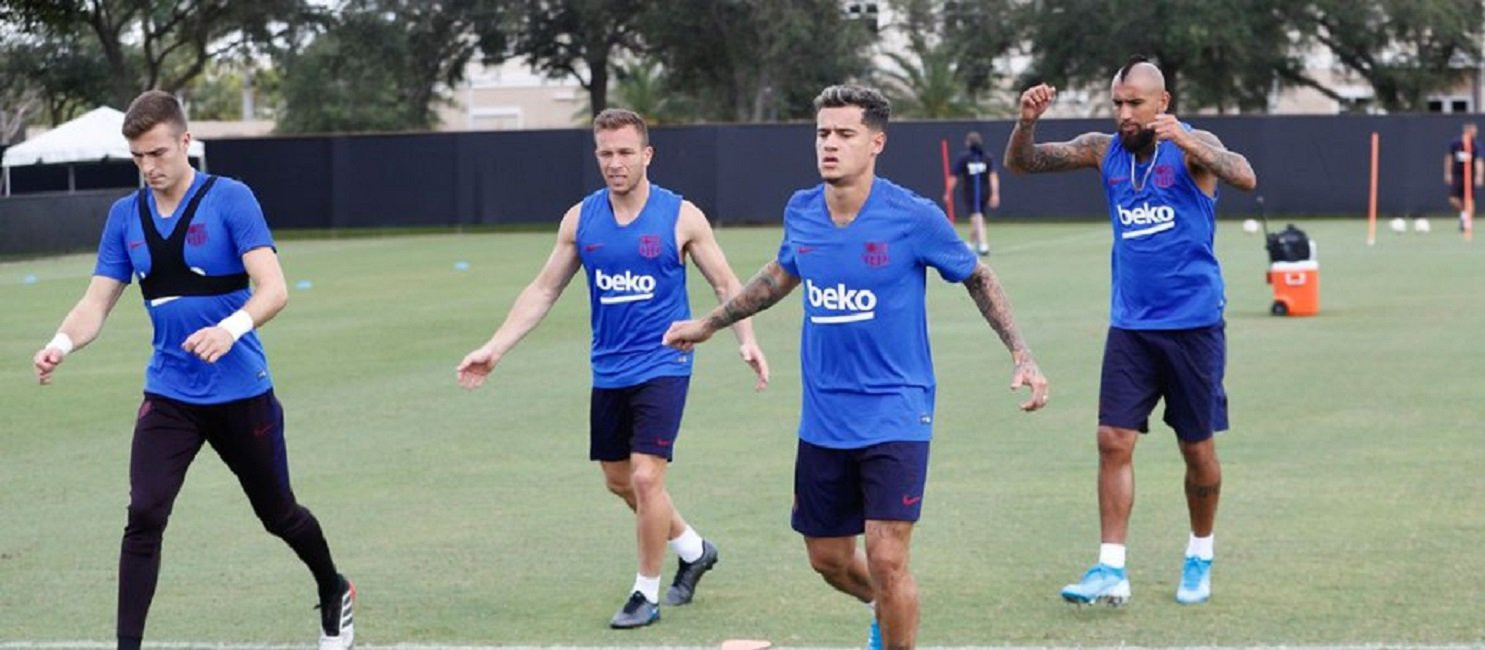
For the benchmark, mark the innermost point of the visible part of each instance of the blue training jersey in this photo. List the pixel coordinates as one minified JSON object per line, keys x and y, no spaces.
{"x":864,"y":354}
{"x":228,"y":224}
{"x":1164,"y":272}
{"x":636,"y":288}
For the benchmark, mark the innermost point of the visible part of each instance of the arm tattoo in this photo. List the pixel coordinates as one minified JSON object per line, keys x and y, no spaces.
{"x":759,"y":294}
{"x":1231,"y":168}
{"x":995,"y":307}
{"x":1023,"y":155}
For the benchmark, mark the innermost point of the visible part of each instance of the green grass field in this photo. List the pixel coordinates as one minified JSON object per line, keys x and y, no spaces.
{"x":1353,"y":473}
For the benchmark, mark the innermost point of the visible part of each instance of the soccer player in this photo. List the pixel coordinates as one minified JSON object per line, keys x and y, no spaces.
{"x":1166,"y":336}
{"x":862,"y":245}
{"x":194,"y":241}
{"x":974,"y":171}
{"x":632,"y":237}
{"x":1454,"y":175}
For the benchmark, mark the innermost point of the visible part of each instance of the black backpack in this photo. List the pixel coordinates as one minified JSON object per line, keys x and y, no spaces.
{"x":1288,"y":245}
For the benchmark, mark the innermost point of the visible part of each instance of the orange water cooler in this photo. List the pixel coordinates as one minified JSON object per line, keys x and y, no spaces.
{"x":1296,"y":288}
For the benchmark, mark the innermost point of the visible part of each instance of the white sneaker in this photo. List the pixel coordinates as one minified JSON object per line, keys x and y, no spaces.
{"x":337,"y":631}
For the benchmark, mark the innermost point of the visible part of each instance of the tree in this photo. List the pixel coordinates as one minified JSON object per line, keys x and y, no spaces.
{"x":1223,"y":55}
{"x":1403,"y":48}
{"x":50,"y":74}
{"x":951,"y":50}
{"x":162,"y":44}
{"x":380,"y":66}
{"x":929,"y":87}
{"x":758,"y":59}
{"x":578,"y":39}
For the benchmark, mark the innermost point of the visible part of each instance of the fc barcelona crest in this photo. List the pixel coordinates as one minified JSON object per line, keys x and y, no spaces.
{"x":649,"y":246}
{"x":1165,"y":176}
{"x":196,"y":234}
{"x":876,"y":254}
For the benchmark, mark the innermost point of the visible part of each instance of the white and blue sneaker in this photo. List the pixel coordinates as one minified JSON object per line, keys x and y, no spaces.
{"x":1101,"y":584}
{"x":874,"y":636}
{"x":1196,"y":581}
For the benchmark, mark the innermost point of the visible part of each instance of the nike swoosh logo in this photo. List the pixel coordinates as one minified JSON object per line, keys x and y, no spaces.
{"x":135,"y":244}
{"x":260,"y":432}
{"x":662,"y":442}
{"x":592,"y":247}
{"x":911,"y":501}
{"x":803,"y":250}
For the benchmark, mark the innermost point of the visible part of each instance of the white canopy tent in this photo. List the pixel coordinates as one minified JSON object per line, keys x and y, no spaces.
{"x":95,"y":136}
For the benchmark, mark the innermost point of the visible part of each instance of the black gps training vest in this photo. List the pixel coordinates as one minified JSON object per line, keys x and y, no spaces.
{"x":169,"y":275}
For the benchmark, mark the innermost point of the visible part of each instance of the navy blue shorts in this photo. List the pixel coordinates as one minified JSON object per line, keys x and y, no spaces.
{"x":1184,"y":367}
{"x":640,"y":419}
{"x":837,"y":490}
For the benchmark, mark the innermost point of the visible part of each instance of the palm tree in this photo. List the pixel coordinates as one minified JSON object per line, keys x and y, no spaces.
{"x":641,"y":87}
{"x":929,"y":87}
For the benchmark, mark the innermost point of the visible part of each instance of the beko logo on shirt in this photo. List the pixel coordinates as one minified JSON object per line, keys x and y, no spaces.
{"x":1157,"y":219}
{"x":859,"y":303}
{"x":631,"y":287}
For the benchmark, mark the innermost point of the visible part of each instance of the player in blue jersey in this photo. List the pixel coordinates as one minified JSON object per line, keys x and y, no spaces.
{"x":632,"y":238}
{"x":861,"y":246}
{"x":975,"y":173}
{"x":1166,"y":337}
{"x":194,"y":241}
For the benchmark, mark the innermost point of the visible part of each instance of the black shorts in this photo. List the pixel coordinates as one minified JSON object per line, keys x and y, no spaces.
{"x":1184,"y":367}
{"x":640,"y":419}
{"x":837,"y":490}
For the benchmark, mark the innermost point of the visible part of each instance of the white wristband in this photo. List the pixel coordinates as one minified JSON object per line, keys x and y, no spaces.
{"x":237,"y":324}
{"x":61,"y":342}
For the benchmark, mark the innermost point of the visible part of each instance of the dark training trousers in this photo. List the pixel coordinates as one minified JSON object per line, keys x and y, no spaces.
{"x":248,"y":435}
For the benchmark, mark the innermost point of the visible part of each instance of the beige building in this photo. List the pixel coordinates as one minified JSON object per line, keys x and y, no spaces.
{"x":511,"y":96}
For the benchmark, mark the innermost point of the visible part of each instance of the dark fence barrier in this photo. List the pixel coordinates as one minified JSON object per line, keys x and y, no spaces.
{"x":54,"y":223}
{"x":744,"y":173}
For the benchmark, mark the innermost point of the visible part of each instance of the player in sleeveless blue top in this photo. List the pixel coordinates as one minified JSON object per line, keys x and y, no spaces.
{"x":861,"y":246}
{"x":631,"y":238}
{"x":194,"y":241}
{"x":1166,"y":336}
{"x":975,"y":173}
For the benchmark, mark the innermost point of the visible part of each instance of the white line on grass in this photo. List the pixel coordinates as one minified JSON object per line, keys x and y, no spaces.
{"x":209,"y":645}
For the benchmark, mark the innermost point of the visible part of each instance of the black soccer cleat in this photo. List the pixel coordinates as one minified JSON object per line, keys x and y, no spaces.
{"x":636,"y":612}
{"x":684,"y":587}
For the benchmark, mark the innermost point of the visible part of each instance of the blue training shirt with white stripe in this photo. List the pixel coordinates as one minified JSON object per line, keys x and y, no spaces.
{"x":636,"y":288}
{"x":1165,"y":273}
{"x":228,"y":223}
{"x":864,"y":353}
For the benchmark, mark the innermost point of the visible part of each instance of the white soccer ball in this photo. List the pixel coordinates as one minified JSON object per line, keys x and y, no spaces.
{"x":1250,"y":226}
{"x":1420,"y":225}
{"x":1399,"y":224}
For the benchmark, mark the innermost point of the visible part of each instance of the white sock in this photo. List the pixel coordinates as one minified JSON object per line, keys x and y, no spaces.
{"x":873,"y":607}
{"x":1111,"y":555}
{"x":650,"y":587}
{"x":687,"y":545}
{"x":1200,"y":546}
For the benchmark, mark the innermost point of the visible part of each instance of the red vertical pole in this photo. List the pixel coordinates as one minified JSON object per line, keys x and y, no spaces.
{"x":1371,"y":209}
{"x":943,"y":146}
{"x":1469,"y":188}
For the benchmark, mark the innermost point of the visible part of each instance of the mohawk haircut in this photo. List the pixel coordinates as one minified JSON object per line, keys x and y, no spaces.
{"x":1134,"y":60}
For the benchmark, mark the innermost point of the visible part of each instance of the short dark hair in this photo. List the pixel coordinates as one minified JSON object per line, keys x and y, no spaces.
{"x":150,"y":109}
{"x":875,"y":108}
{"x":973,"y":139}
{"x":1134,"y":60}
{"x":618,"y":118}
